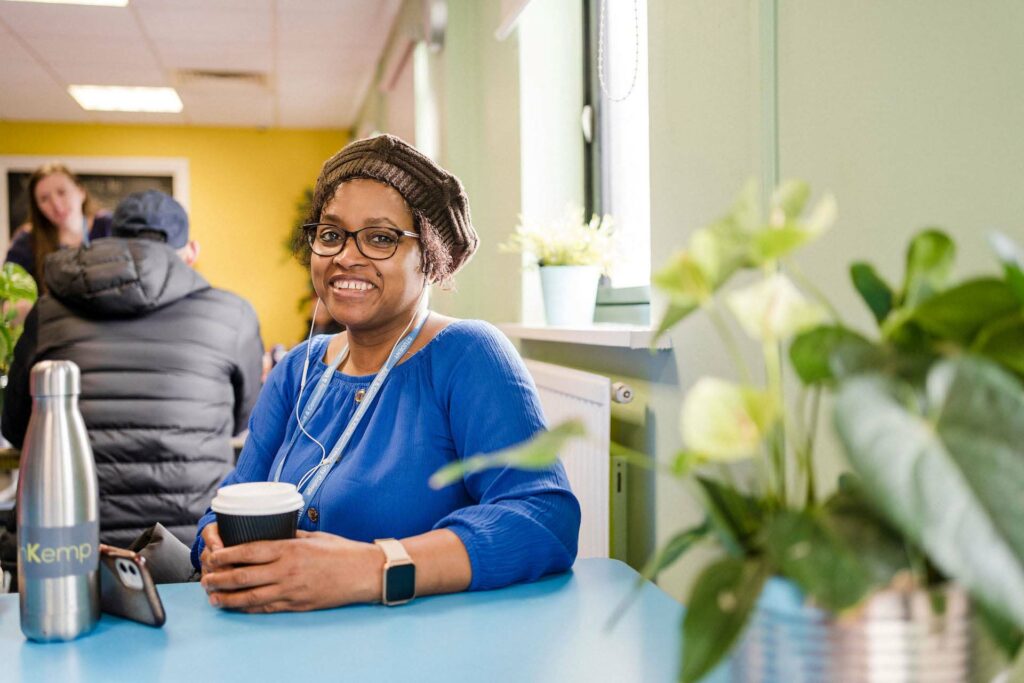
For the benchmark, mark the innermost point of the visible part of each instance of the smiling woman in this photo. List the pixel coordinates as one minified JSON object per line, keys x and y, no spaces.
{"x":401,"y":393}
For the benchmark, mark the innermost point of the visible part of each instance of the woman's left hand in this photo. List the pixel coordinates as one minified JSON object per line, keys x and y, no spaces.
{"x":313,"y":571}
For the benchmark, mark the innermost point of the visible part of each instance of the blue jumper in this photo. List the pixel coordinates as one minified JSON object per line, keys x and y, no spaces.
{"x":465,"y":392}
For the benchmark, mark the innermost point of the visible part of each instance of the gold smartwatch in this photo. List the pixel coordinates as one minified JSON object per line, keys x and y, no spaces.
{"x":399,"y":582}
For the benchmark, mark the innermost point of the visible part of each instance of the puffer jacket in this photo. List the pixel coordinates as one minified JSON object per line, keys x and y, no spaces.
{"x":170,"y":371}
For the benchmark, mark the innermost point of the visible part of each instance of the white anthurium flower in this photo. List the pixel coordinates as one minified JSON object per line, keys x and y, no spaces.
{"x":725,"y":422}
{"x":774,"y":309}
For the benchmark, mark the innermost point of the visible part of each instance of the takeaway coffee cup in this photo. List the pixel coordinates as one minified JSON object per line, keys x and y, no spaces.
{"x":257,"y":511}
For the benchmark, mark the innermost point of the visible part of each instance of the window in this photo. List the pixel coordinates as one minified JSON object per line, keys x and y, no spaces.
{"x":616,"y":152}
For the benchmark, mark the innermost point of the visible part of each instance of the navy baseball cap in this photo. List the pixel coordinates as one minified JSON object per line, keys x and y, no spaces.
{"x":151,"y":214}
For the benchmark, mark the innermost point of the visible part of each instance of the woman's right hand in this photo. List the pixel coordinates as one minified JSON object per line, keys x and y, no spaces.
{"x":211,"y":543}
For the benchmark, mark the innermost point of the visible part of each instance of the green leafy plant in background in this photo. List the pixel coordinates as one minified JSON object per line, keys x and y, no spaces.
{"x":928,"y":410}
{"x":16,"y":285}
{"x":925,"y":411}
{"x":569,"y":240}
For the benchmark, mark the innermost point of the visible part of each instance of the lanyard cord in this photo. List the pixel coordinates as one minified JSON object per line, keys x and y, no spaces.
{"x":316,"y":475}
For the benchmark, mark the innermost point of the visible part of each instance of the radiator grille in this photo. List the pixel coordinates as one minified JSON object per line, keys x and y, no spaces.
{"x":566,"y":393}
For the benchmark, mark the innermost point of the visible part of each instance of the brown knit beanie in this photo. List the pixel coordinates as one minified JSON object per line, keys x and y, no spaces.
{"x":431,"y":192}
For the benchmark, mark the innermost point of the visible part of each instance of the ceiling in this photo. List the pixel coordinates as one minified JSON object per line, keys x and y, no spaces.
{"x":308,"y":63}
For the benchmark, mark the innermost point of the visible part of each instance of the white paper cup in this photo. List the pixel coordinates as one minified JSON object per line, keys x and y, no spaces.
{"x":257,"y":511}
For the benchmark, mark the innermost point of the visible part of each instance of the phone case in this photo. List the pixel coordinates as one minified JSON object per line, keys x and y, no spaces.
{"x":127,"y":593}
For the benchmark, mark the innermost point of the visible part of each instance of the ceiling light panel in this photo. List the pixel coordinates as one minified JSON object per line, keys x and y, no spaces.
{"x":120,"y":98}
{"x":97,"y":3}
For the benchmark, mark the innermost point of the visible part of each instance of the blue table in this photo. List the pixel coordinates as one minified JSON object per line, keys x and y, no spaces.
{"x":551,"y":630}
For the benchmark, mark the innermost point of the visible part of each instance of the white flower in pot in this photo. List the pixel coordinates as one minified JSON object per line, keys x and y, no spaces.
{"x":571,"y":254}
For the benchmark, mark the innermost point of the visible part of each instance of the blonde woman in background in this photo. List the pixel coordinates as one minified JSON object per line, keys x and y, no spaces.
{"x":61,"y":214}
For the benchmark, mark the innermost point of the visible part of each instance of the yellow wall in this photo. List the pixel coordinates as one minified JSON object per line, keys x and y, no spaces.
{"x":244,"y":185}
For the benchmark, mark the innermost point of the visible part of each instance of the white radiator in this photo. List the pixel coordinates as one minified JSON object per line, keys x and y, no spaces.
{"x":566,"y":393}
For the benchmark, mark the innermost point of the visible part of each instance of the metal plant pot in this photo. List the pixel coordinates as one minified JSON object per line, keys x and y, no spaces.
{"x":895,"y":636}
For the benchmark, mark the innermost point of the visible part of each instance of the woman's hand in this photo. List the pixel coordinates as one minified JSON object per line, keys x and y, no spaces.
{"x":313,"y":571}
{"x":211,"y":543}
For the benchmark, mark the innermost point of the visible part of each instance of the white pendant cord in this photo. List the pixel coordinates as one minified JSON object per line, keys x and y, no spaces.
{"x":600,"y":51}
{"x":302,"y":384}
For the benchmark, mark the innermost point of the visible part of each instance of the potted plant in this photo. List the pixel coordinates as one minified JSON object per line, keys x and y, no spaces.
{"x":16,"y":285}
{"x":928,"y":416}
{"x":571,"y":254}
{"x":884,"y":577}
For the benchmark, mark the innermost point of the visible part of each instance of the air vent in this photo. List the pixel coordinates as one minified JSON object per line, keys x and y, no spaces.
{"x":203,"y":77}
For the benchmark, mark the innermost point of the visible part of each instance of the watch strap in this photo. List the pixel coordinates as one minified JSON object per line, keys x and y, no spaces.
{"x":394,"y":551}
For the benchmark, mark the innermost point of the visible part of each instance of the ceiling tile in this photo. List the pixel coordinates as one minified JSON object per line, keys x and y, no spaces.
{"x":40,"y":102}
{"x":138,"y":117}
{"x":77,"y":50}
{"x":31,"y":19}
{"x":219,"y":5}
{"x":217,"y":109}
{"x":12,"y":53}
{"x":168,"y":25}
{"x":215,"y":57}
{"x":125,"y":73}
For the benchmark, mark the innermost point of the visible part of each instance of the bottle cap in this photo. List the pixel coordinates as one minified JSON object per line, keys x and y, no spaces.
{"x":55,"y":378}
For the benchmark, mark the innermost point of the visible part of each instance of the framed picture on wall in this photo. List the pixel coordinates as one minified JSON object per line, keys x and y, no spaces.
{"x":108,"y":180}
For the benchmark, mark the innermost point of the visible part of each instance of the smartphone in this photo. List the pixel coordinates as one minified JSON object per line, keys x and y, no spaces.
{"x":126,"y":587}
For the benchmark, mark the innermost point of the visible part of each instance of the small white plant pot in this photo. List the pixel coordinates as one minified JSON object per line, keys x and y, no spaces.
{"x":570,"y":293}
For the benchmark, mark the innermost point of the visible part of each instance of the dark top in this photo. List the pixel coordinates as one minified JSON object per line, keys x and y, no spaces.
{"x":170,"y":371}
{"x":466,"y":392}
{"x":23,"y":244}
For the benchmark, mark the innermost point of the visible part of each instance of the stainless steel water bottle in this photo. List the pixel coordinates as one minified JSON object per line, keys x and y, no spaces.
{"x":58,"y":511}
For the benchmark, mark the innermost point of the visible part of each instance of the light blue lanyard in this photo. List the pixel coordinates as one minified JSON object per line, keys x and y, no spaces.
{"x":311,"y":487}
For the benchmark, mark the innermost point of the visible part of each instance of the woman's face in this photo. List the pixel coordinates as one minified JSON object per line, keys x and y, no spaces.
{"x":361,"y":293}
{"x":60,"y":200}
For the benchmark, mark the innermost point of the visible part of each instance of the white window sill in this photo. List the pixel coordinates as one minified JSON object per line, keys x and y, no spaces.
{"x":599,"y":334}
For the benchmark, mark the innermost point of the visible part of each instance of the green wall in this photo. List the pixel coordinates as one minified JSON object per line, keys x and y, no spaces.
{"x":480,"y":144}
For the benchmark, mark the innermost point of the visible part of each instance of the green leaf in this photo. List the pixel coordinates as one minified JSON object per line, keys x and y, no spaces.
{"x":881,"y":549}
{"x":1012,"y":258}
{"x":674,"y":314}
{"x":673,"y":549}
{"x":817,"y":559}
{"x":720,"y":605}
{"x":790,"y":197}
{"x":875,"y":291}
{"x":540,"y":452}
{"x":18,"y":284}
{"x":684,"y":281}
{"x":818,"y":352}
{"x":952,"y":483}
{"x":664,"y":558}
{"x":684,"y":462}
{"x":929,"y":263}
{"x":1004,"y":633}
{"x":1002,"y":341}
{"x":720,"y":250}
{"x":774,"y":243}
{"x":6,"y":349}
{"x":735,"y":517}
{"x":959,"y":313}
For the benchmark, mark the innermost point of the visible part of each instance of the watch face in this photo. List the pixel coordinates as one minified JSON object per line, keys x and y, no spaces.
{"x":401,"y":583}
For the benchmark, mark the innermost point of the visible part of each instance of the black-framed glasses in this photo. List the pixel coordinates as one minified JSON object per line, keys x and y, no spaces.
{"x":375,"y":243}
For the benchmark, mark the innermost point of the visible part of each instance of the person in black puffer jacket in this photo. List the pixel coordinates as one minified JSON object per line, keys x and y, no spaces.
{"x":170,"y":367}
